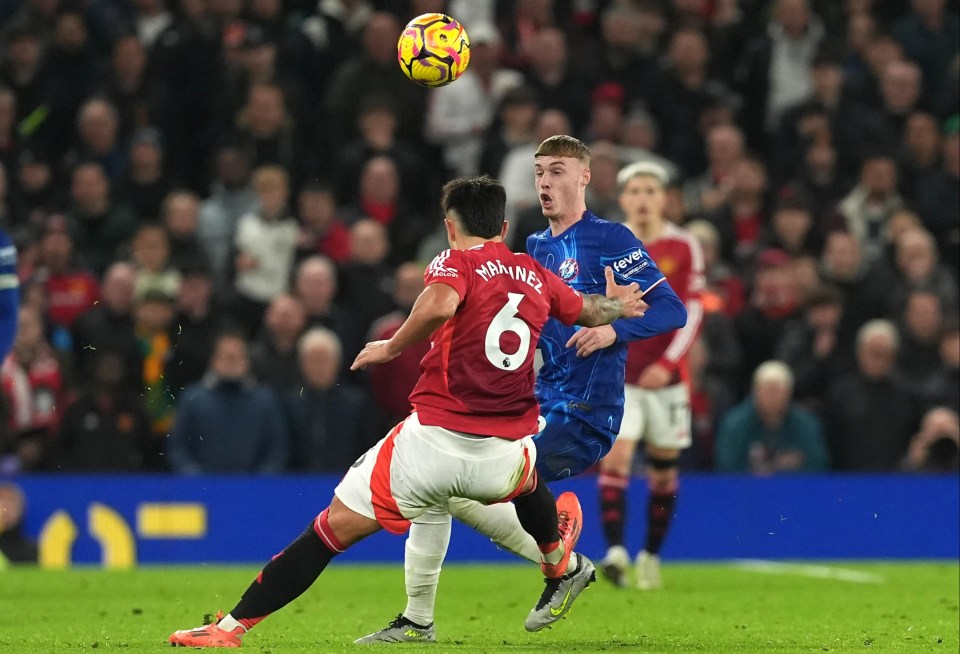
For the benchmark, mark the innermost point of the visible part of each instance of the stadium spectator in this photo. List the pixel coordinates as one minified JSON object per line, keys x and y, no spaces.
{"x":459,"y":116}
{"x":180,"y":216}
{"x":227,"y":423}
{"x":315,"y":285}
{"x":772,"y":304}
{"x":929,"y":36}
{"x":129,"y":89}
{"x":864,"y":288}
{"x":920,"y":153}
{"x":870,"y":414}
{"x":792,"y":229}
{"x":366,"y":279}
{"x":683,"y":91}
{"x":377,"y":125}
{"x":145,"y":185}
{"x":819,"y":182}
{"x":766,"y":434}
{"x":268,"y":134}
{"x":70,"y":289}
{"x":150,"y":253}
{"x":321,"y":230}
{"x":602,"y":193}
{"x":153,"y":314}
{"x":554,"y":80}
{"x":32,"y":392}
{"x":917,"y":267}
{"x":867,"y":207}
{"x":265,"y":244}
{"x":391,"y":383}
{"x":98,"y":140}
{"x":774,"y":73}
{"x":513,"y":126}
{"x":330,"y":426}
{"x":715,"y":186}
{"x":105,"y":429}
{"x":15,"y":545}
{"x":230,"y":198}
{"x":100,"y":225}
{"x":936,"y":447}
{"x":922,"y":323}
{"x":811,"y":348}
{"x":626,"y":51}
{"x":273,"y":356}
{"x":109,"y":323}
{"x":381,"y":198}
{"x":38,"y":195}
{"x":199,"y":319}
{"x":607,"y":107}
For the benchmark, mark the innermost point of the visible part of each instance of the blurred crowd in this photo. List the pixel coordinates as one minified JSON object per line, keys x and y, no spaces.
{"x":217,"y":202}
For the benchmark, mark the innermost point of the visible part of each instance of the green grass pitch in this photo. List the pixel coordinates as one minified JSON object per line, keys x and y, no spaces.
{"x":871,"y":607}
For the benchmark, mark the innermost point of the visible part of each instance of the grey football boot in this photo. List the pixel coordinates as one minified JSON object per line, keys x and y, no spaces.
{"x":401,"y":630}
{"x":560,"y":593}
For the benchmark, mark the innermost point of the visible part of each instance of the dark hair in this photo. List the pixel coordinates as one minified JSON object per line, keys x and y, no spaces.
{"x":479,"y":203}
{"x":825,"y":295}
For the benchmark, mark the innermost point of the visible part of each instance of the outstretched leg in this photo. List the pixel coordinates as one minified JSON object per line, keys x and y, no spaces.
{"x":287,"y":576}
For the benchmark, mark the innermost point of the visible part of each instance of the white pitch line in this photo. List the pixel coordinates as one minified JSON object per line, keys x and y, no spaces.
{"x":807,"y":570}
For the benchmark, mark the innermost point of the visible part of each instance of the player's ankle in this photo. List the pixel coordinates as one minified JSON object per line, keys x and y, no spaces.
{"x":229,"y":623}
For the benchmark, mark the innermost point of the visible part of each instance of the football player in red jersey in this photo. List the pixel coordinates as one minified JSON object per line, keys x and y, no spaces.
{"x":474,"y":414}
{"x":656,"y":397}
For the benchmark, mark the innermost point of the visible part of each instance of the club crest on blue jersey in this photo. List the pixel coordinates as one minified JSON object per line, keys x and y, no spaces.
{"x":568,"y":270}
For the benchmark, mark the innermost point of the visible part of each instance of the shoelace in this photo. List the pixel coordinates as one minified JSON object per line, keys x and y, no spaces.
{"x":563,"y":526}
{"x":553,"y":584}
{"x":399,"y":622}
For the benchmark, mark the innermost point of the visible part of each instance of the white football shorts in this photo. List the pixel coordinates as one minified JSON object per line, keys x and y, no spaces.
{"x":417,"y":467}
{"x":661,"y":417}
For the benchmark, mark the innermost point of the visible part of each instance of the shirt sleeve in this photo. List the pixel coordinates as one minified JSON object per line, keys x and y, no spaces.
{"x":684,"y":337}
{"x":565,"y":303}
{"x":625,"y":254}
{"x":448,"y":268}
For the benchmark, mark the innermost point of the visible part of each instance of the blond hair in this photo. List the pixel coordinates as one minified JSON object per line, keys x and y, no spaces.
{"x":562,"y":145}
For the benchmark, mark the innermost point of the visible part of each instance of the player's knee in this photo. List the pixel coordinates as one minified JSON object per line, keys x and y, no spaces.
{"x":663,"y":479}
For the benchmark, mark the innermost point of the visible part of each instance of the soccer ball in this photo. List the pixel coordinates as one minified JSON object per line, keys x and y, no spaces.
{"x":433,"y":50}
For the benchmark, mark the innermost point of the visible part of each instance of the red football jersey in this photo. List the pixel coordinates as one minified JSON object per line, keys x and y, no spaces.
{"x":478,"y":375}
{"x":678,"y":255}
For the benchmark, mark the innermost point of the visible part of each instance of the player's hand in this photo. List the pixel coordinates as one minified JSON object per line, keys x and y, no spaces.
{"x":629,"y":295}
{"x":654,"y":376}
{"x":590,"y":339}
{"x":374,"y":352}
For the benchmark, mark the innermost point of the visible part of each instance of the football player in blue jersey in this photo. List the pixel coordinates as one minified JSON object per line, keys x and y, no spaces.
{"x":579,"y":387}
{"x":9,"y":294}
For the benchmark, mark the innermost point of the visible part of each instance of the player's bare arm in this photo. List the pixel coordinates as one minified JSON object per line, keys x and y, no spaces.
{"x":435,"y":306}
{"x":619,"y":302}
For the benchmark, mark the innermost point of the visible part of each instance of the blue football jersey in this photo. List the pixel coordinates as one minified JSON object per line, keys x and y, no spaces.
{"x":594,"y":384}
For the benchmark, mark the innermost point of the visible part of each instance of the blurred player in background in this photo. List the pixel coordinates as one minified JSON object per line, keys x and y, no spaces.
{"x":579,"y":387}
{"x":657,"y":399}
{"x":9,"y":294}
{"x":474,"y":410}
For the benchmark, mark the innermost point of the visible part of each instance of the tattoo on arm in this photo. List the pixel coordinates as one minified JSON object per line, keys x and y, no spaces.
{"x":599,"y":310}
